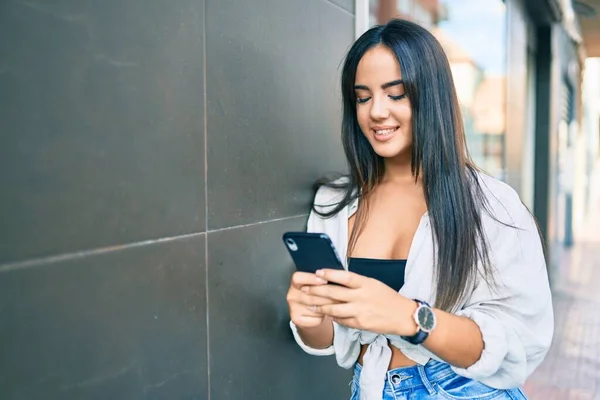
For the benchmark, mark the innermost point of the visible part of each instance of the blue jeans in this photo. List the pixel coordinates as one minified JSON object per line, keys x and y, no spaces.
{"x":436,"y":380}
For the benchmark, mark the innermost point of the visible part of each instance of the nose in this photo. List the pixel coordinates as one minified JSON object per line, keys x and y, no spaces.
{"x":379,"y":109}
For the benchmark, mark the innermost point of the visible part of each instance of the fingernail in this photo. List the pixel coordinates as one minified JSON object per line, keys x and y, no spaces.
{"x":320,"y":272}
{"x":305,"y":289}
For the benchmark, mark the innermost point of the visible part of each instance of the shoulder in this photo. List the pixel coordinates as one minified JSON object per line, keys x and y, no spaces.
{"x":503,"y":201}
{"x":499,"y":195}
{"x":329,"y":195}
{"x":328,"y":198}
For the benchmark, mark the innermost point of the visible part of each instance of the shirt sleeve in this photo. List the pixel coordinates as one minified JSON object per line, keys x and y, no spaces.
{"x":515,"y":316}
{"x":314,"y":224}
{"x":310,"y":350}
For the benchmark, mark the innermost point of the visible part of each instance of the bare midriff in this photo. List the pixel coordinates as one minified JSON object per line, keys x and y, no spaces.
{"x":398,"y":360}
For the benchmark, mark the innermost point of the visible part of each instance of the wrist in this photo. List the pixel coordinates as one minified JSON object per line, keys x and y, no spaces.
{"x":319,"y":336}
{"x":404,"y":321}
{"x":425,"y":319}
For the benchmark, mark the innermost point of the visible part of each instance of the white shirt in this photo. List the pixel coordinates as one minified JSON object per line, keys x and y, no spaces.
{"x":516,"y":318}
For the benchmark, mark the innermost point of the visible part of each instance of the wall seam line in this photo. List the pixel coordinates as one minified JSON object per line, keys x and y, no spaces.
{"x":35,"y":262}
{"x":206,"y":258}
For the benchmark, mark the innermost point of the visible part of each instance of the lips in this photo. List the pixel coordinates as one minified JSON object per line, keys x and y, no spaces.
{"x":384,"y":133}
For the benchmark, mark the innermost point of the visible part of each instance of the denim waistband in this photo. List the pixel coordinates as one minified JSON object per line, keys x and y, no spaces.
{"x":414,"y":376}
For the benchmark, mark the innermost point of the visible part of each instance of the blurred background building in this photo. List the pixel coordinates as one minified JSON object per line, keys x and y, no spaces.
{"x":518,"y":68}
{"x":152,"y":153}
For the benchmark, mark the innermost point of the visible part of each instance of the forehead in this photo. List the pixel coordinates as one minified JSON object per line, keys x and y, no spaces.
{"x":379,"y":65}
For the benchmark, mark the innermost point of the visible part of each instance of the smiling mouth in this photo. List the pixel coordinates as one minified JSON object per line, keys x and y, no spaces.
{"x":385,"y":132}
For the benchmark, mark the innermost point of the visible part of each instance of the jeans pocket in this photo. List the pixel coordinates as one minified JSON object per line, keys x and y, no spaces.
{"x":456,"y":387}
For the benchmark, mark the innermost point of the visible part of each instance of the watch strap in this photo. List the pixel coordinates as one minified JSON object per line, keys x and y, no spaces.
{"x":421,"y":335}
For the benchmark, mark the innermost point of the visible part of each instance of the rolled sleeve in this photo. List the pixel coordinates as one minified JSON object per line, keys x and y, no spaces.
{"x":515,"y":317}
{"x":501,"y":363}
{"x":310,"y":350}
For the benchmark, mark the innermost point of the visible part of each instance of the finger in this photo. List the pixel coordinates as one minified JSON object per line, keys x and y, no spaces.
{"x":300,"y":279}
{"x":348,"y":322}
{"x":344,"y":278}
{"x":340,"y":310}
{"x":307,"y":320}
{"x":309,"y":300}
{"x":311,"y":312}
{"x":334,"y":292}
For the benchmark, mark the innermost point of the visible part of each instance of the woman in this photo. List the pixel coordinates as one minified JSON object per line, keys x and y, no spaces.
{"x":446,"y":293}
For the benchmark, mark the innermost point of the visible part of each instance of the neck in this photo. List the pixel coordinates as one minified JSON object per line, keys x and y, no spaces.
{"x":398,"y":169}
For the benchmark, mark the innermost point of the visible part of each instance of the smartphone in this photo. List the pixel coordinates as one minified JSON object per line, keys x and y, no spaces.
{"x":312,"y":251}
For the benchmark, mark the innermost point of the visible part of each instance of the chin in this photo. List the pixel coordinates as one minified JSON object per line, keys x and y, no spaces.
{"x":403,"y":152}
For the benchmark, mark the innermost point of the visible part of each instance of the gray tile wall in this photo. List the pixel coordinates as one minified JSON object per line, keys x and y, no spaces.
{"x":151,"y":155}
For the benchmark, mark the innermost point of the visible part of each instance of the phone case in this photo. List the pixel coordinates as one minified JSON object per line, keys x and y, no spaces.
{"x":312,"y":251}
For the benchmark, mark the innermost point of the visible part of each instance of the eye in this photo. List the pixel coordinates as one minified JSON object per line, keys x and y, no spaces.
{"x":362,"y":100}
{"x":396,"y":98}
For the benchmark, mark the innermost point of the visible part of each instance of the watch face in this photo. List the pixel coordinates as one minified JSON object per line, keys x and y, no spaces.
{"x":426,"y":318}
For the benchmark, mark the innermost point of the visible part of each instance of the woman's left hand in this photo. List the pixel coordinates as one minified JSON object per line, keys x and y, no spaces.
{"x":365,"y":303}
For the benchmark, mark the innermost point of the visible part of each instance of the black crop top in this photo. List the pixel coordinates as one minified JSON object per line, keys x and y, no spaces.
{"x":390,"y":272}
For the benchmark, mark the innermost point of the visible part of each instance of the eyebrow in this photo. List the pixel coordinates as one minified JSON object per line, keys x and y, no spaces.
{"x":384,"y":86}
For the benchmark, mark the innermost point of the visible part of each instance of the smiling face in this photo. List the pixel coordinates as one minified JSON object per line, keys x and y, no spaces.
{"x":383,"y":111}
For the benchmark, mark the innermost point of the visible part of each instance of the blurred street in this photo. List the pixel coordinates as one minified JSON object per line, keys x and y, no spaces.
{"x":571,"y":370}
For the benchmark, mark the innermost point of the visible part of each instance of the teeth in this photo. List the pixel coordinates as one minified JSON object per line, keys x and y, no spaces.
{"x":384,"y":131}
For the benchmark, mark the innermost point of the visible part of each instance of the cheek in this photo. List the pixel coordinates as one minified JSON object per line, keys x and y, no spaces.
{"x":362,"y":115}
{"x":407,"y":121}
{"x":403,"y":114}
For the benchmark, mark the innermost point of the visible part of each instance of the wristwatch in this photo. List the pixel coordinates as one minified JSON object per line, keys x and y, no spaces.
{"x":425,"y":319}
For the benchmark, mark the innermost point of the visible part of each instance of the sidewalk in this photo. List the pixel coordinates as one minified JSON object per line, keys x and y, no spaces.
{"x":571,"y":370}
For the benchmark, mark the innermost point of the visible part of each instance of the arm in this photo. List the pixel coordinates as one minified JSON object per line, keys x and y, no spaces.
{"x":314,"y":339}
{"x":457,"y":340}
{"x":313,"y":332}
{"x":501,"y":335}
{"x":317,"y":338}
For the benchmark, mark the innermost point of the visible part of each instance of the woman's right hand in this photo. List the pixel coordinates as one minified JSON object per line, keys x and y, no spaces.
{"x":301,"y":304}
